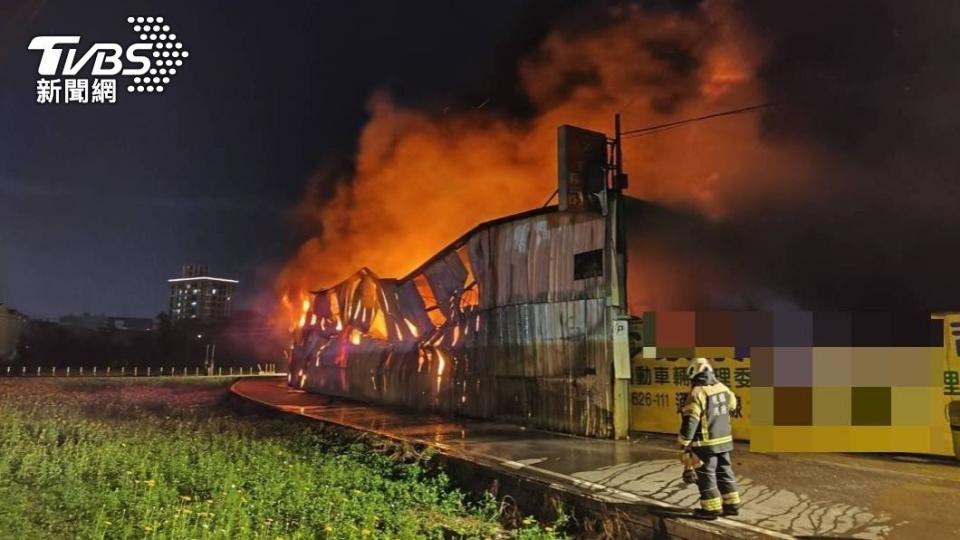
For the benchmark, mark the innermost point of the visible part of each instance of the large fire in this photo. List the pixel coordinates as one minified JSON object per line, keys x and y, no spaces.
{"x":421,"y":180}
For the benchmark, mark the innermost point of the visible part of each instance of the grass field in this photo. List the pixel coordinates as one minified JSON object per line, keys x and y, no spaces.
{"x":176,"y":458}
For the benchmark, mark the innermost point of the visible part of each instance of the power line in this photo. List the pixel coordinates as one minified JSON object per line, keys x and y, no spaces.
{"x":662,"y":127}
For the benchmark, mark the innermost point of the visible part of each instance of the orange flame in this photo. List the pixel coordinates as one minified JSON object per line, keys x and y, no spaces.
{"x":355,"y":336}
{"x":421,"y":180}
{"x":412,"y":327}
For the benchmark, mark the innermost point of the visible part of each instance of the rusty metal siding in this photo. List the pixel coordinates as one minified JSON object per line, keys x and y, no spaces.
{"x":479,"y":248}
{"x":532,"y":259}
{"x":411,"y":306}
{"x":446,"y":275}
{"x":550,"y":362}
{"x":533,"y":350}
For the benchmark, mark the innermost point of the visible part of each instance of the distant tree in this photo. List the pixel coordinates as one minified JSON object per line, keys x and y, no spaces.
{"x":164,"y":325}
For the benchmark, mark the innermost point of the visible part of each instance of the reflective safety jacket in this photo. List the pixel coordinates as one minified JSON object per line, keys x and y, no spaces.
{"x":706,"y":415}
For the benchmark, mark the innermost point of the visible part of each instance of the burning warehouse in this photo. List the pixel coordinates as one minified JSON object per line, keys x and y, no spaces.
{"x":512,"y":321}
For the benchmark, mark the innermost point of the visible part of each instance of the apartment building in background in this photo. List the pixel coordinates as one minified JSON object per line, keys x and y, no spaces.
{"x":198,"y":296}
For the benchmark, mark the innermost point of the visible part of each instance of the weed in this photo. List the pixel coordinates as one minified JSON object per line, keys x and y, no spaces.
{"x":128,"y":460}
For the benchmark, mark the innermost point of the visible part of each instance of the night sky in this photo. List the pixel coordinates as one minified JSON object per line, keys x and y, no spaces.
{"x":100,"y":204}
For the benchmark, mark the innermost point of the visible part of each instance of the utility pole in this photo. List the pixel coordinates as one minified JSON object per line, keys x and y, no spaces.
{"x":620,"y":183}
{"x":619,"y":313}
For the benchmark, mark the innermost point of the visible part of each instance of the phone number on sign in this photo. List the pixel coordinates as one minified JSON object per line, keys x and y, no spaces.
{"x":647,"y":399}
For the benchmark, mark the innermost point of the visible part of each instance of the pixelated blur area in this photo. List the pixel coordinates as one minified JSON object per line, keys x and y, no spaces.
{"x":810,"y":382}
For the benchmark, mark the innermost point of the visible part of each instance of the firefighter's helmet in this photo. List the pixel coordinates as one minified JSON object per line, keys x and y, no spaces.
{"x":698,"y":365}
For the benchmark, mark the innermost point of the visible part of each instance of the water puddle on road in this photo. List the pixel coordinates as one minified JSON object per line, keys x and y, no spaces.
{"x":778,"y":509}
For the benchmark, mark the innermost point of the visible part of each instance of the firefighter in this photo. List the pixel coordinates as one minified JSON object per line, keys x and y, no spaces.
{"x":705,"y":430}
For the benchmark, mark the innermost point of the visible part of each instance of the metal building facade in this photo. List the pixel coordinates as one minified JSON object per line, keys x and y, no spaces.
{"x":496,"y":326}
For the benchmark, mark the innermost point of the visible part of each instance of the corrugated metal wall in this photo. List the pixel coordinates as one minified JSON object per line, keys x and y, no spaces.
{"x":494,"y":327}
